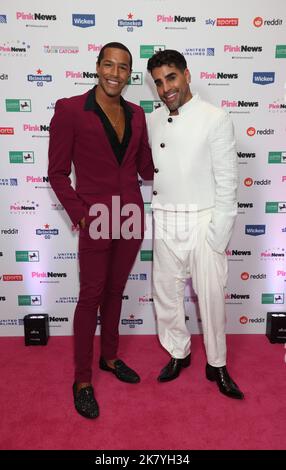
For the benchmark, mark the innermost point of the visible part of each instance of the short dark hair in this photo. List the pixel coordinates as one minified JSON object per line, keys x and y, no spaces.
{"x":167,"y":57}
{"x":115,"y":45}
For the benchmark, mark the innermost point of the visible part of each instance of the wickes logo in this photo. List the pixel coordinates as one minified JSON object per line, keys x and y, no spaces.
{"x":255,"y":230}
{"x":263,"y":78}
{"x":83,"y":21}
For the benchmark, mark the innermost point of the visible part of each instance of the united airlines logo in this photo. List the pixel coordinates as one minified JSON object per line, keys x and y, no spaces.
{"x":83,"y":21}
{"x":263,"y":78}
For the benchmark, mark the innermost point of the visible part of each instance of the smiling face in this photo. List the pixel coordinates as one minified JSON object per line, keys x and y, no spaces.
{"x":172,"y":86}
{"x":113,"y":71}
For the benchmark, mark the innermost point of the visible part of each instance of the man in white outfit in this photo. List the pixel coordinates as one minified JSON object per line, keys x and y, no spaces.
{"x":194,"y":205}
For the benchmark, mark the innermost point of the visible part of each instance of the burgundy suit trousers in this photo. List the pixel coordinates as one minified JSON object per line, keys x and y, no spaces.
{"x":104,"y":269}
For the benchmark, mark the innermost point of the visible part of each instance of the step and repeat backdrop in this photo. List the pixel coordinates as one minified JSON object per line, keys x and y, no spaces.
{"x":236,"y":52}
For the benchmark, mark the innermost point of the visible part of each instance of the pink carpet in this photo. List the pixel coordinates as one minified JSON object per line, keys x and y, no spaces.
{"x":36,"y":404}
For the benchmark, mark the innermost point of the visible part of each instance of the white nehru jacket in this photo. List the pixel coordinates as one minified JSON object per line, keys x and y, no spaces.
{"x":196,"y":164}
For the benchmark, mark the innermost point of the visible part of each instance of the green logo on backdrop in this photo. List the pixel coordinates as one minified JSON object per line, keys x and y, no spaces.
{"x":27,"y":256}
{"x":280,"y":52}
{"x":277,"y":157}
{"x":18,"y":106}
{"x":147,"y":207}
{"x":29,"y":300}
{"x":146,"y":255}
{"x":136,"y":78}
{"x":275,"y":207}
{"x":272,"y":298}
{"x":150,"y":106}
{"x":146,"y":51}
{"x":21,"y":157}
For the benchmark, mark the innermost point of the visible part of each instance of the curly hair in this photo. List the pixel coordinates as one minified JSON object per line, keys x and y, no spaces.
{"x":167,"y":57}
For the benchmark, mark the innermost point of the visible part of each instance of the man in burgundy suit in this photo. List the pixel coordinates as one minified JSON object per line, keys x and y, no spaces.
{"x":105,"y":138}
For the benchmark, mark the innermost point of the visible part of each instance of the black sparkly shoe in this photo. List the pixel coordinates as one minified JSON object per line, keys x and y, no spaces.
{"x":121,"y":371}
{"x":85,"y":403}
{"x":173,"y":369}
{"x":225,"y":383}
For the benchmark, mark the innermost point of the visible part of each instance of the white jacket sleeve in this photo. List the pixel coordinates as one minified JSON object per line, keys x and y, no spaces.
{"x":225,"y":170}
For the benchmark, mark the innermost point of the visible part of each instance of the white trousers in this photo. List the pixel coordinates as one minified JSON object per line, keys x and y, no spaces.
{"x":180,"y":252}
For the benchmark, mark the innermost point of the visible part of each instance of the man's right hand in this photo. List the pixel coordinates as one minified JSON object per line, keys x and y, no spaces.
{"x":82,"y":223}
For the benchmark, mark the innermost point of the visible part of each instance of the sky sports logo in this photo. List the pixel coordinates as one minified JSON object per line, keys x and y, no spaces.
{"x":83,"y":21}
{"x":6,"y":130}
{"x":263,"y":78}
{"x":12,"y":277}
{"x":222,"y":22}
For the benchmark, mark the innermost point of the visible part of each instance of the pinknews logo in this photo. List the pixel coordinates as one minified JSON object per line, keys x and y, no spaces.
{"x":239,"y":104}
{"x":218,"y":76}
{"x":242,"y":48}
{"x":41,"y":275}
{"x":175,"y":19}
{"x":36,"y":128}
{"x":72,"y":74}
{"x":94,"y":47}
{"x":20,"y":15}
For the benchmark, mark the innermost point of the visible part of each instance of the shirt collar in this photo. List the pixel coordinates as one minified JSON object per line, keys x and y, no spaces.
{"x":92,"y":105}
{"x":187,"y":106}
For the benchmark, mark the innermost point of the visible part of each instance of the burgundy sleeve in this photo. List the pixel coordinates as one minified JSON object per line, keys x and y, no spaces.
{"x":145,"y":162}
{"x":60,"y":160}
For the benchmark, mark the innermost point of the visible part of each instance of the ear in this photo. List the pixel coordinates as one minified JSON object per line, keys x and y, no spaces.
{"x":187,"y":75}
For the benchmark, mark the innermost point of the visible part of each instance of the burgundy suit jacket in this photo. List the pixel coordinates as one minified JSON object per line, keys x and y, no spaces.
{"x":77,"y":136}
